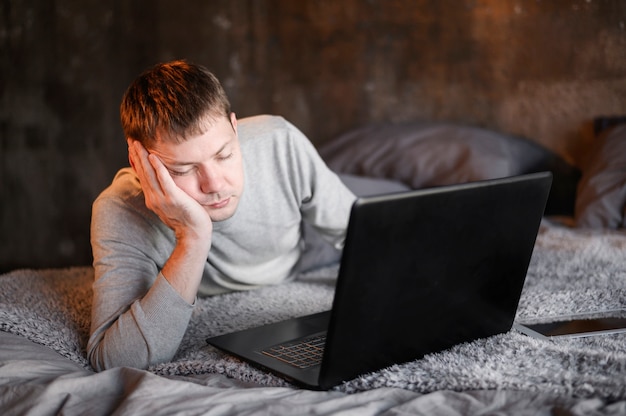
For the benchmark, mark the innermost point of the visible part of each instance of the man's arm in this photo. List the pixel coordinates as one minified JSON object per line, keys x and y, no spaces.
{"x":138,"y":319}
{"x":191,"y":223}
{"x":140,"y":314}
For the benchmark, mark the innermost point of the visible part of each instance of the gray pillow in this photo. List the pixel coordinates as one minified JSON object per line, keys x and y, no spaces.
{"x":365,"y":186}
{"x":601,"y":198}
{"x":424,"y":154}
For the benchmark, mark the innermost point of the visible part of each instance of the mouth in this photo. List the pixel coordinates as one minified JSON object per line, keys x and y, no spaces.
{"x":219,"y":204}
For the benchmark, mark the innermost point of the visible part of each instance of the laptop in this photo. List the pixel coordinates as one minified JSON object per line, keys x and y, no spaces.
{"x":421,"y":271}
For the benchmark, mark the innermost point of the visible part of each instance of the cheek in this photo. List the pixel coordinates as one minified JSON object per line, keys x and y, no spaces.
{"x":189,"y":184}
{"x":236,"y":177}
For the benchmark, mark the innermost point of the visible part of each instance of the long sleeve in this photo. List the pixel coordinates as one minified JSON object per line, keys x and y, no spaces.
{"x":137,"y":317}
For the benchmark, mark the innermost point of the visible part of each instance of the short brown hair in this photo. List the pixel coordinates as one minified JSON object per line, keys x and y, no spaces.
{"x":172,"y":101}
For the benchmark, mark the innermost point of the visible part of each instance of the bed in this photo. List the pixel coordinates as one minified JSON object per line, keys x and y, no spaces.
{"x":578,"y":265}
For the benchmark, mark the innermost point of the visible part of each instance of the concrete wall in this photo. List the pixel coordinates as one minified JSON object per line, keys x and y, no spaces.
{"x":542,"y":69}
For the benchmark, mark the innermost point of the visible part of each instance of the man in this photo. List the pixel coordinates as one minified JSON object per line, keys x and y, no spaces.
{"x":209,"y":205}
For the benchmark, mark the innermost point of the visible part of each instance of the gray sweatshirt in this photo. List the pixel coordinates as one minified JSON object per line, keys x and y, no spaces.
{"x":138,"y":319}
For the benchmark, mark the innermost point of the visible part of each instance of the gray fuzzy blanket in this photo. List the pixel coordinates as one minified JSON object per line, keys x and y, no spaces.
{"x":571,"y":271}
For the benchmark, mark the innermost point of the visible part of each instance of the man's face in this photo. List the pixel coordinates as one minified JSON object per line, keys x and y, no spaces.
{"x":208,"y":167}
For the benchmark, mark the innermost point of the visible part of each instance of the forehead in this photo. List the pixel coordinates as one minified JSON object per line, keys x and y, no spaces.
{"x":177,"y":133}
{"x":215,"y":138}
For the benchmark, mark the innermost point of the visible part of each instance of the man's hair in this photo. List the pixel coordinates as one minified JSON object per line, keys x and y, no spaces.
{"x":172,"y":101}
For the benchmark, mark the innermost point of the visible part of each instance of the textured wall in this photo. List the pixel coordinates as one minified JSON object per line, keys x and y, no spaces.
{"x":541,"y":69}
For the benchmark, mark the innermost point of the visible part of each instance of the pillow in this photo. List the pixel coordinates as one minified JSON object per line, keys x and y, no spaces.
{"x":601,"y":196}
{"x":364,"y":186}
{"x":424,"y":154}
{"x":318,"y":252}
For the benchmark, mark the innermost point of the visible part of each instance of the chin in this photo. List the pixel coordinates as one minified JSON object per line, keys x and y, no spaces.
{"x":221,"y":214}
{"x":220,"y":217}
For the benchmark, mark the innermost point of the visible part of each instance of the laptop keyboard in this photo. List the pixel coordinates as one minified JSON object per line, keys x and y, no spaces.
{"x":303,"y":353}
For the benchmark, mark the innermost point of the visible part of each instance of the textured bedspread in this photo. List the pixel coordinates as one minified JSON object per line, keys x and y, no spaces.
{"x":571,"y":271}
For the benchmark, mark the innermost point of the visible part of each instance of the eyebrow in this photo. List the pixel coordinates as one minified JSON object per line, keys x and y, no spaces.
{"x":180,"y":164}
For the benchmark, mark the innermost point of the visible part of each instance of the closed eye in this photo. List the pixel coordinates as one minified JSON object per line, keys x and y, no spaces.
{"x":225,"y":157}
{"x":179,"y":173}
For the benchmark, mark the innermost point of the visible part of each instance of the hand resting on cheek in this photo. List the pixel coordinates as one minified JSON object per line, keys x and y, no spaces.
{"x":172,"y":205}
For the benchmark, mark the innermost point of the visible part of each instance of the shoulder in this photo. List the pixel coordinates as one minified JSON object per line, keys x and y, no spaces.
{"x":266,"y":127}
{"x":125,"y":186}
{"x":264,"y":132}
{"x":262,"y":124}
{"x":123,"y":194}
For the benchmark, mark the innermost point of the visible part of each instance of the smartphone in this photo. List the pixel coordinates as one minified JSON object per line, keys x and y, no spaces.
{"x":578,"y":325}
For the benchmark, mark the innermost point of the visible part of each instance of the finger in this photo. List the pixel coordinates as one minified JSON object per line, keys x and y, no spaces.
{"x":131,"y":158}
{"x":152,"y":189}
{"x":146,"y":171}
{"x":160,"y":171}
{"x":163,"y":177}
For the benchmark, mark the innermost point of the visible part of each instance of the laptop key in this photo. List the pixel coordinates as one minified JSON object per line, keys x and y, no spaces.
{"x":302,"y":353}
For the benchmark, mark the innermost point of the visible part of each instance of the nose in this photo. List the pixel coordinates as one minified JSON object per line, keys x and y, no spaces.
{"x":210,"y":180}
